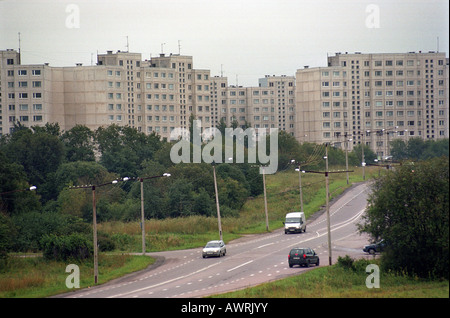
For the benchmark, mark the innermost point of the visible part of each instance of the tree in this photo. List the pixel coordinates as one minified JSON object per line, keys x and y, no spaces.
{"x":123,"y":149}
{"x":40,"y":152}
{"x":13,"y":181}
{"x":79,"y":144}
{"x":355,"y":156}
{"x":409,"y":208}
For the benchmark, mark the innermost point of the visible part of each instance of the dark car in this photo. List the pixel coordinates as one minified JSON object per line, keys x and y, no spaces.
{"x":303,"y":256}
{"x":375,"y":248}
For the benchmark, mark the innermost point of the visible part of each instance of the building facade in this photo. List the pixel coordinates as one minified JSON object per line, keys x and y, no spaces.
{"x":374,"y":98}
{"x":368,"y":98}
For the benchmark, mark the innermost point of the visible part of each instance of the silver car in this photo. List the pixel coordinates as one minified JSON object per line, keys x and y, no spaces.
{"x":214,"y":248}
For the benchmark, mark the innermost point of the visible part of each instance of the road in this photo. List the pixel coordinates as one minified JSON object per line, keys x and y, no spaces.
{"x":250,"y":260}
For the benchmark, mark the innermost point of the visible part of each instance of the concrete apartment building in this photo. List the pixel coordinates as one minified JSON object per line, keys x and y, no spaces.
{"x":269,"y":105}
{"x":370,"y":98}
{"x":374,"y":98}
{"x":156,"y":95}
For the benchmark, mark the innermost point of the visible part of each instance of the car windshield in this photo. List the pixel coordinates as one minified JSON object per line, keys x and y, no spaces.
{"x":213,"y":244}
{"x":292,"y":220}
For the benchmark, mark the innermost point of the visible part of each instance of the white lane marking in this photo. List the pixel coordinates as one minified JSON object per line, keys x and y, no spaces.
{"x":265,"y":245}
{"x":162,"y":283}
{"x":232,"y":269}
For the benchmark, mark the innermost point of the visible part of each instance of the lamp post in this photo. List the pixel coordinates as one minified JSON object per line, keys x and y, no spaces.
{"x":32,"y":188}
{"x":265,"y":200}
{"x":94,"y":222}
{"x":217,"y":201}
{"x":141,"y":180}
{"x":327,"y":199}
{"x":299,"y":183}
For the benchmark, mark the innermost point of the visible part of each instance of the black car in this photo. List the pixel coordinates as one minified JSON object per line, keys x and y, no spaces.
{"x":375,"y":248}
{"x":303,"y":256}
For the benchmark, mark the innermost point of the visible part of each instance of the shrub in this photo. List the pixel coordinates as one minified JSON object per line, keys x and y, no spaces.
{"x":67,"y":247}
{"x":409,"y":208}
{"x":346,"y":262}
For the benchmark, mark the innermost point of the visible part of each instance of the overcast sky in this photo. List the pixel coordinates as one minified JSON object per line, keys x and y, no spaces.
{"x":246,"y":39}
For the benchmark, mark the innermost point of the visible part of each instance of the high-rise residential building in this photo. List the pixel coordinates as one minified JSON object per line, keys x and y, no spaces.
{"x":374,"y":98}
{"x":368,"y":98}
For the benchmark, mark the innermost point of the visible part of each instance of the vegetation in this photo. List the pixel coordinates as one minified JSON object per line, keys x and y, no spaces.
{"x":53,"y":161}
{"x":36,"y":277}
{"x":409,"y":208}
{"x":346,"y":279}
{"x":180,"y":212}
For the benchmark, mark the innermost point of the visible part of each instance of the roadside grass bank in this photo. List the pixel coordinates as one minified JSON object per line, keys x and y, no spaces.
{"x":336,"y":281}
{"x":36,"y":277}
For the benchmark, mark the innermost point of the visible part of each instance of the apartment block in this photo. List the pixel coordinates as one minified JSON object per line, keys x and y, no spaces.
{"x":373,"y":98}
{"x":26,"y":93}
{"x":364,"y":98}
{"x":271,"y":104}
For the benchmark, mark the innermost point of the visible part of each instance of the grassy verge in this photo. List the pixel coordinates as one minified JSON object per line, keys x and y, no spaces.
{"x":338,"y":282}
{"x":35,"y":277}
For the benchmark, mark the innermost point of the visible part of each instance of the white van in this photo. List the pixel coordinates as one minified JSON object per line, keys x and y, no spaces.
{"x":295,"y":222}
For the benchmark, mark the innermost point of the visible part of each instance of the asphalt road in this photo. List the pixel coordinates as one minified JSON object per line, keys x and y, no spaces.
{"x":249,"y":261}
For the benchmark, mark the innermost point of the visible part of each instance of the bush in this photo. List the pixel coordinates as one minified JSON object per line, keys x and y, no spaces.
{"x":346,"y":262}
{"x":67,"y":247}
{"x":409,"y":208}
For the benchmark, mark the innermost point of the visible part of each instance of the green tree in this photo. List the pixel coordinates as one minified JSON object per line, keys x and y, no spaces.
{"x":409,"y":208}
{"x":123,"y":149}
{"x":12,"y":183}
{"x":79,"y":144}
{"x":40,"y":152}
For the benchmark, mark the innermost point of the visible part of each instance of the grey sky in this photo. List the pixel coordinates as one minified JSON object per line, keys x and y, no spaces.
{"x":248,"y":38}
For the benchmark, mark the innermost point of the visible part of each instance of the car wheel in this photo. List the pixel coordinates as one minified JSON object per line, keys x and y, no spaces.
{"x":318,"y":262}
{"x":290,"y":265}
{"x":372,"y":251}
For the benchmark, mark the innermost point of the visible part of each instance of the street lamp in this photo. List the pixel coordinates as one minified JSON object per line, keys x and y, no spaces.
{"x":142,"y":206}
{"x":32,"y":188}
{"x":327,"y":198}
{"x":94,"y":222}
{"x":300,"y":171}
{"x":265,"y":194}
{"x":217,"y":201}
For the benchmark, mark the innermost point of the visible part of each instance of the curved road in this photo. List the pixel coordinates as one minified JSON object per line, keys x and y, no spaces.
{"x":249,"y":260}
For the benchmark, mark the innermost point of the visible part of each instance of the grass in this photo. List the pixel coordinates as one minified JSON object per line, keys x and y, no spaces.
{"x":337,"y":282}
{"x":35,"y":277}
